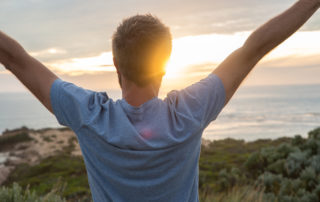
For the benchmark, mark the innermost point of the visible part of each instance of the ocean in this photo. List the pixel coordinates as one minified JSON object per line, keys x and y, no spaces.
{"x":255,"y":112}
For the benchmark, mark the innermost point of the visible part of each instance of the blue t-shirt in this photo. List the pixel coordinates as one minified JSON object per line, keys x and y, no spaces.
{"x":145,"y":153}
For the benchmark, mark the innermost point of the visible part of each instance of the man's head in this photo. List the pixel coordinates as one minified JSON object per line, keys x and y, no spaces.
{"x":141,"y":47}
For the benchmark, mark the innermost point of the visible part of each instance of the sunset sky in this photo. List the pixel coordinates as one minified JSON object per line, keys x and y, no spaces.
{"x":73,"y":38}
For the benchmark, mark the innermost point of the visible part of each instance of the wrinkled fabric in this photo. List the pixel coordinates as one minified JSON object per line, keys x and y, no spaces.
{"x":145,"y":153}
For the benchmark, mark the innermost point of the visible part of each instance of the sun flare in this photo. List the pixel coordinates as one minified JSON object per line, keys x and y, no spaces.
{"x":196,"y":50}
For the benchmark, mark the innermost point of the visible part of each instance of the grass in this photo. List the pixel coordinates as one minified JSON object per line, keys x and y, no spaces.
{"x":236,"y":194}
{"x":43,"y":177}
{"x":16,"y":194}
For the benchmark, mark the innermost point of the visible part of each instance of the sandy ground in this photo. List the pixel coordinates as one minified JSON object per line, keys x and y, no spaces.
{"x":45,"y":143}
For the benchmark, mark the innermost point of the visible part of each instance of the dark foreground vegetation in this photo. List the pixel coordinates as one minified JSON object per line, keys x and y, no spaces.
{"x":65,"y":173}
{"x":285,"y":169}
{"x":9,"y":141}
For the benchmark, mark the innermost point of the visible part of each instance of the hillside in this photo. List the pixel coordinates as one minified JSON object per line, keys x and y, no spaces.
{"x":51,"y":159}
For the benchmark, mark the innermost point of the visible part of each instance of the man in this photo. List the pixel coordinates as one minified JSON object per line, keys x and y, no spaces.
{"x":142,"y":148}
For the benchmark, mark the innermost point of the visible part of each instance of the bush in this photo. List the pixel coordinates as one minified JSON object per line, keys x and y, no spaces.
{"x":16,"y":194}
{"x":290,"y":171}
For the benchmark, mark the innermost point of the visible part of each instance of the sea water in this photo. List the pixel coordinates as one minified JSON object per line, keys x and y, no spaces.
{"x":261,"y":112}
{"x":254,"y":112}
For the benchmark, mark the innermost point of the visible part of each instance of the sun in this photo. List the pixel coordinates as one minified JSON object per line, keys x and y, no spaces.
{"x":174,"y":67}
{"x":202,"y":49}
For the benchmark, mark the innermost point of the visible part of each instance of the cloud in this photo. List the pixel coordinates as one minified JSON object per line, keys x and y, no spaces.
{"x":100,"y":81}
{"x":86,"y":65}
{"x":3,"y":72}
{"x":48,"y":52}
{"x":293,"y":61}
{"x":84,"y":28}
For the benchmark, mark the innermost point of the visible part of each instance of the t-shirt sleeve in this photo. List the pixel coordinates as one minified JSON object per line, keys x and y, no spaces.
{"x":72,"y":105}
{"x":202,"y":101}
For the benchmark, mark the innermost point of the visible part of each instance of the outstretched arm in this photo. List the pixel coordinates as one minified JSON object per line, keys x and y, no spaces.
{"x":34,"y":75}
{"x":237,"y":66}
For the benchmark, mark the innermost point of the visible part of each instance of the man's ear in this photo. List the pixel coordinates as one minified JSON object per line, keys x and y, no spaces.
{"x":118,"y":72}
{"x":115,"y":62}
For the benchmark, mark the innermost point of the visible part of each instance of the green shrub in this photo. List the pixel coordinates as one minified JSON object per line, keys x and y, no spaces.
{"x":291,"y":171}
{"x":16,"y":194}
{"x":227,"y":163}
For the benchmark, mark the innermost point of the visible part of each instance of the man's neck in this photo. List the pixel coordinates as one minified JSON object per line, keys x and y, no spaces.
{"x":136,"y":96}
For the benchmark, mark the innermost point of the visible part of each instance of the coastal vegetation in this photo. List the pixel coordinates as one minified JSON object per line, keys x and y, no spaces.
{"x":285,"y":169}
{"x":66,"y":172}
{"x":7,"y":141}
{"x":17,"y":194}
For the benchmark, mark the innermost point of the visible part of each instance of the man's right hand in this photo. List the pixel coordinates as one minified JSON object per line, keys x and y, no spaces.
{"x":10,"y":50}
